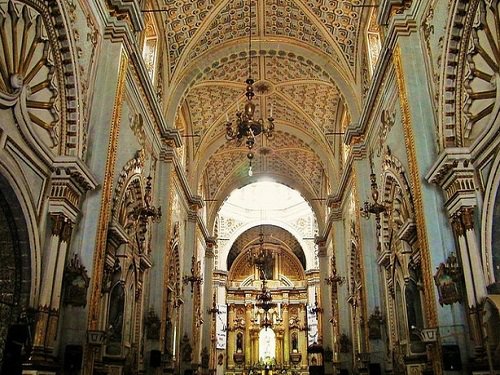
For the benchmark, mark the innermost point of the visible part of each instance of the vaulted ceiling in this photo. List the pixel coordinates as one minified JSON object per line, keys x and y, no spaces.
{"x":305,"y":63}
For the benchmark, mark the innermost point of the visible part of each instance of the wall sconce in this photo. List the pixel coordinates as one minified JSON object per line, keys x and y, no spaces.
{"x":335,"y":279}
{"x":214,"y":310}
{"x":374,"y":207}
{"x":148,"y":211}
{"x":316,"y":309}
{"x":447,"y":279}
{"x":195,"y":277}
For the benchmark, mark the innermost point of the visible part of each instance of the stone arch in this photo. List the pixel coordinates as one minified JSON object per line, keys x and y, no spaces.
{"x":43,"y":89}
{"x":490,"y":236}
{"x":470,"y":85}
{"x":16,"y":271}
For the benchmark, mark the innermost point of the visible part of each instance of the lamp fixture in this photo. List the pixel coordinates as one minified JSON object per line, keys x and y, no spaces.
{"x":195,"y":277}
{"x":374,"y":207}
{"x":148,"y":210}
{"x":246,"y":127}
{"x":264,"y":299}
{"x":214,"y":310}
{"x":316,"y":309}
{"x":260,"y":256}
{"x":335,"y":279}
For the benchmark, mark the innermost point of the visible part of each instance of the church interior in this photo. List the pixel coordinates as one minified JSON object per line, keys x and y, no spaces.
{"x":249,"y":187}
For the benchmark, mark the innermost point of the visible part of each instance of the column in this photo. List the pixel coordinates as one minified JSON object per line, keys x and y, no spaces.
{"x":188,"y":259}
{"x":286,"y":333}
{"x":208,"y":301}
{"x":303,"y":337}
{"x":463,"y":227}
{"x":255,"y":346}
{"x":50,"y":292}
{"x":247,"y":344}
{"x":279,"y":347}
{"x":231,"y":337}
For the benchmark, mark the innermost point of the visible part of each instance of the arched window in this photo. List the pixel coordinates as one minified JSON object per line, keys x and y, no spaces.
{"x":150,"y":47}
{"x":373,"y":41}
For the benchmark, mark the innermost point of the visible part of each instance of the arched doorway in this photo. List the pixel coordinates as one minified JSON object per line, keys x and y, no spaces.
{"x":15,"y":281}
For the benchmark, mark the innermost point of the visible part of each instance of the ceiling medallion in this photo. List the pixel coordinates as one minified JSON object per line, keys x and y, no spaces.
{"x":263,"y":88}
{"x":245,"y":126}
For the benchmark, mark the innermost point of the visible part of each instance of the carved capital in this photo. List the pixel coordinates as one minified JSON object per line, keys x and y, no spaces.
{"x":467,"y":214}
{"x":128,"y":10}
{"x":456,"y":224}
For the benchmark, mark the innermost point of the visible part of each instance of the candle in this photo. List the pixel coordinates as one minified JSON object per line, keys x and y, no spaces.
{"x":271,"y":112}
{"x":279,"y":310}
{"x":227,"y":117}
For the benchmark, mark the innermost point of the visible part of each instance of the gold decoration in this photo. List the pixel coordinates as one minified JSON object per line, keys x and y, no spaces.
{"x":107,"y":190}
{"x":430,"y":309}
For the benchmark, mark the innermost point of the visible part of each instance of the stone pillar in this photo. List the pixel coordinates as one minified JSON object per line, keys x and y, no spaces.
{"x":455,"y":174}
{"x":189,"y":260}
{"x":70,"y":181}
{"x":209,"y":298}
{"x":50,"y":292}
{"x":463,"y":227}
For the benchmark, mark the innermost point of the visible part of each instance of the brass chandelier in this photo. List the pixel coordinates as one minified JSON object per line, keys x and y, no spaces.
{"x":246,"y":127}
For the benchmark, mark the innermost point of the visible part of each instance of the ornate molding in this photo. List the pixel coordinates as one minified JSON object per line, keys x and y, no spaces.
{"x":107,"y":191}
{"x":455,"y":174}
{"x":429,"y":306}
{"x":128,"y":9}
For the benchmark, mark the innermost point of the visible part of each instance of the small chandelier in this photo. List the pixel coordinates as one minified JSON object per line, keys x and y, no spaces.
{"x":246,"y":127}
{"x":261,"y":257}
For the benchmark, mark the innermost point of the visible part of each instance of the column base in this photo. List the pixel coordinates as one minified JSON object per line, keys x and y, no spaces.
{"x":41,"y":362}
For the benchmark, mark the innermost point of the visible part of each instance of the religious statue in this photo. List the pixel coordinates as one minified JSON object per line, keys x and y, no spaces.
{"x":295,"y":346}
{"x":239,"y":342}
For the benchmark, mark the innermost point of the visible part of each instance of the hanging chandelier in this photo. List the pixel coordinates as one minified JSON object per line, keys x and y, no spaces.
{"x":261,"y":256}
{"x":246,"y":127}
{"x":264,"y":302}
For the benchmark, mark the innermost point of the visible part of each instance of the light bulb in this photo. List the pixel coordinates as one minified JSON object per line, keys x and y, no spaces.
{"x":250,"y":172}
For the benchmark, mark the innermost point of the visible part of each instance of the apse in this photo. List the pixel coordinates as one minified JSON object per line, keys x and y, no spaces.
{"x":279,"y":212}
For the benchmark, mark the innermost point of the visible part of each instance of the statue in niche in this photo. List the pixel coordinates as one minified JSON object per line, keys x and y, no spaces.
{"x":152,"y":325}
{"x":344,"y":343}
{"x":374,"y":325}
{"x":187,"y":350}
{"x":205,"y":358}
{"x":115,"y":320}
{"x":295,"y":343}
{"x":76,"y":283}
{"x":239,"y":342}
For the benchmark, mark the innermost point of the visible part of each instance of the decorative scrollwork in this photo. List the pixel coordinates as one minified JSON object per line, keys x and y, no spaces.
{"x":26,"y":62}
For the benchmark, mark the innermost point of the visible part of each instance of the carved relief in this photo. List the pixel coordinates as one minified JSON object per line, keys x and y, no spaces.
{"x":469,"y":92}
{"x":28,"y":71}
{"x":387,"y":122}
{"x":186,"y":350}
{"x":482,"y":79}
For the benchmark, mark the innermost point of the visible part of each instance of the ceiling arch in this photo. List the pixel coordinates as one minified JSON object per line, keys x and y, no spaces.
{"x":315,"y":59}
{"x":303,"y":62}
{"x":274,"y":236}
